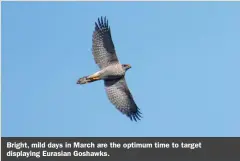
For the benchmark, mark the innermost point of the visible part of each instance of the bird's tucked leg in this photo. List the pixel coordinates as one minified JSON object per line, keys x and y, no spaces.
{"x":88,"y":79}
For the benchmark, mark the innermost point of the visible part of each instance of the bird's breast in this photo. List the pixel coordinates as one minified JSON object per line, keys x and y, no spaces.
{"x":112,"y":72}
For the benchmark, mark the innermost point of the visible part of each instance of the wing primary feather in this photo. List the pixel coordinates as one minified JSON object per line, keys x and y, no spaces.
{"x":96,"y":26}
{"x":106,"y":21}
{"x":130,"y":116}
{"x":134,"y":118}
{"x":102,"y":21}
{"x":99,"y":23}
{"x":137,"y":117}
{"x":138,"y":114}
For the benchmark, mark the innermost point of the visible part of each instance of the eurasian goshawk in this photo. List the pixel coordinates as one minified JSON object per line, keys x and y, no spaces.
{"x":111,"y":71}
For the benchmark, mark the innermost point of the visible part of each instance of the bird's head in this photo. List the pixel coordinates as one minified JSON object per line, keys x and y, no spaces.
{"x":126,"y":66}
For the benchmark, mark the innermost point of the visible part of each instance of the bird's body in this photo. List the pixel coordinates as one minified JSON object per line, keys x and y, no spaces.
{"x":112,"y":72}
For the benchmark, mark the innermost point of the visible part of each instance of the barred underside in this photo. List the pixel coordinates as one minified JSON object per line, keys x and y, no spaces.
{"x":103,"y":48}
{"x":119,"y":95}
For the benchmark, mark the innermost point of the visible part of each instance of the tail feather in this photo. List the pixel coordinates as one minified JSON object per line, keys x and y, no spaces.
{"x":85,"y":80}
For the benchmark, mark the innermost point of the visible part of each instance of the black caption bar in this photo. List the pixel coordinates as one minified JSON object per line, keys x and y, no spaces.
{"x":120,"y":149}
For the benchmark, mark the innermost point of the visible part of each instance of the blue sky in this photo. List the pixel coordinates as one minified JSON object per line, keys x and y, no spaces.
{"x":184,"y":76}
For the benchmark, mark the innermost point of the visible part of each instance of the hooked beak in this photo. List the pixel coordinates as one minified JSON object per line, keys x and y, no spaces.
{"x":129,"y":66}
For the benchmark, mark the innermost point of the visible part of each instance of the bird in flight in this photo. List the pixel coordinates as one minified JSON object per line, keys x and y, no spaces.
{"x":112,"y":72}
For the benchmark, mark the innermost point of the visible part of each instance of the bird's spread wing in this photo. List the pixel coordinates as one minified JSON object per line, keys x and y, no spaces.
{"x":102,"y":46}
{"x":119,"y":95}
